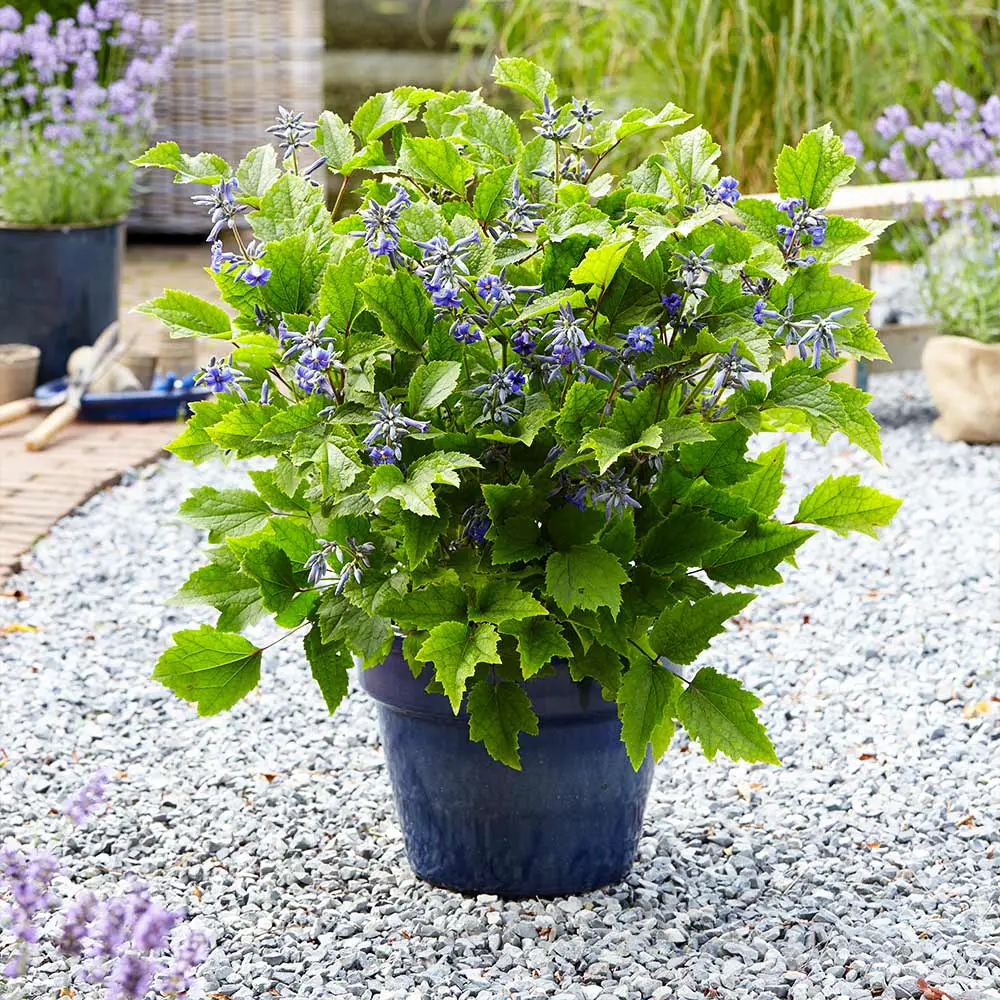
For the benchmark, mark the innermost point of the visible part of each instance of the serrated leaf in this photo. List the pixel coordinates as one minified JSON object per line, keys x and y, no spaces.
{"x":383,"y":112}
{"x":843,"y":505}
{"x":646,"y":702}
{"x":815,"y":168}
{"x":683,"y":630}
{"x":193,"y":443}
{"x":684,"y":538}
{"x":402,"y":308}
{"x":581,"y":410}
{"x":600,"y":264}
{"x":211,"y":668}
{"x":688,"y":162}
{"x":283,"y":427}
{"x":368,"y":636}
{"x":858,"y":425}
{"x":585,"y":576}
{"x":722,"y":459}
{"x":340,"y":297}
{"x":431,"y":384}
{"x":500,"y":601}
{"x":640,"y":120}
{"x":436,"y":162}
{"x":455,"y":649}
{"x":282,"y":587}
{"x":514,"y":514}
{"x":292,"y":206}
{"x":498,"y":714}
{"x":233,"y":594}
{"x":237,"y":430}
{"x":816,"y":291}
{"x":599,"y":662}
{"x":257,"y":171}
{"x":187,"y":315}
{"x":428,"y":606}
{"x":203,"y":168}
{"x":491,"y":190}
{"x":337,"y":470}
{"x":492,"y":134}
{"x":334,"y":140}
{"x":420,"y":536}
{"x":550,"y":303}
{"x":330,"y":664}
{"x":762,"y":489}
{"x":524,"y":77}
{"x":539,"y":641}
{"x":521,"y":431}
{"x":847,"y":239}
{"x":296,"y":272}
{"x":718,"y":712}
{"x":752,"y":558}
{"x":225,"y":512}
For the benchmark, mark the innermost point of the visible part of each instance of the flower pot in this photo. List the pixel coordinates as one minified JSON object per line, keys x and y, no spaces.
{"x":569,"y":821}
{"x":964,"y":379}
{"x":18,"y":371}
{"x":59,"y":288}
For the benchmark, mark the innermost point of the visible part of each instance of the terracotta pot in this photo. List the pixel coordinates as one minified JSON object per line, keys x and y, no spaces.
{"x":18,"y":371}
{"x":964,"y":379}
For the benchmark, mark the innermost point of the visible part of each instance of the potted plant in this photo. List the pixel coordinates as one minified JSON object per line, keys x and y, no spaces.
{"x":959,"y":282}
{"x":506,"y":412}
{"x":76,"y":104}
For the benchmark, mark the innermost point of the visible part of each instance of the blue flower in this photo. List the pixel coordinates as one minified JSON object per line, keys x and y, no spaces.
{"x":584,"y":112}
{"x":500,"y":386}
{"x":672,"y":303}
{"x":523,"y":341}
{"x":381,"y":455}
{"x":726,"y":192}
{"x":549,"y":127}
{"x":615,"y":492}
{"x":298,"y":343}
{"x":522,"y":215}
{"x":695,"y":269}
{"x":389,"y":425}
{"x":465,"y":331}
{"x":490,"y":287}
{"x":639,"y":340}
{"x":381,"y":233}
{"x":292,"y":129}
{"x":222,"y":206}
{"x":759,"y":311}
{"x":808,"y":228}
{"x":256,"y":275}
{"x":447,"y":297}
{"x":732,"y":371}
{"x":477,"y":523}
{"x":817,"y":334}
{"x":443,"y":263}
{"x":219,"y":376}
{"x":567,"y":341}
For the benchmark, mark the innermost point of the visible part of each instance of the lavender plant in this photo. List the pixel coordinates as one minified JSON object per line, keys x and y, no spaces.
{"x":119,"y":947}
{"x":506,"y":408}
{"x":76,"y":105}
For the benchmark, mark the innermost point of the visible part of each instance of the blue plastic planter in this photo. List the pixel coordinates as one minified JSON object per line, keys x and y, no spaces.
{"x":568,"y":822}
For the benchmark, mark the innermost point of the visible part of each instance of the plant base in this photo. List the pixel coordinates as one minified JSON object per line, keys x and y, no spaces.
{"x":568,"y":822}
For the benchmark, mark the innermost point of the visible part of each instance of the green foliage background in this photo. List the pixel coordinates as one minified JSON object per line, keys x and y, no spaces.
{"x":755,"y":73}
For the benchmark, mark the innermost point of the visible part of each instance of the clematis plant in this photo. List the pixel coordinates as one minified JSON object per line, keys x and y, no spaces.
{"x":506,"y":408}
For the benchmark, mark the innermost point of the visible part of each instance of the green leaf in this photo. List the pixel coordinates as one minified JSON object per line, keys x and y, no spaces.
{"x":684,"y":538}
{"x":416,"y":492}
{"x":842,"y":504}
{"x":292,"y":206}
{"x":238,"y":429}
{"x":858,"y":425}
{"x":187,"y":315}
{"x":861,"y":341}
{"x":524,"y":77}
{"x":339,"y":294}
{"x":550,"y":303}
{"x":334,"y":141}
{"x":402,"y":307}
{"x":234,"y":594}
{"x":211,"y":668}
{"x":500,"y":601}
{"x":539,"y":640}
{"x":514,"y":514}
{"x":296,"y":271}
{"x":203,"y":168}
{"x":282,"y":588}
{"x":427,"y":607}
{"x":193,"y":443}
{"x":797,"y":387}
{"x":719,"y":713}
{"x":491,"y":190}
{"x":646,"y":703}
{"x":585,"y":576}
{"x":225,"y":512}
{"x":337,"y":470}
{"x":721,"y":460}
{"x":752,"y":558}
{"x":330,"y":664}
{"x":285,"y":426}
{"x":683,"y":630}
{"x":815,"y":290}
{"x":604,"y":665}
{"x":436,"y":162}
{"x":523,"y":430}
{"x":431,"y":384}
{"x":762,"y":489}
{"x":600,"y":264}
{"x":383,"y":112}
{"x":492,"y":133}
{"x":455,"y":649}
{"x":581,"y":410}
{"x":640,"y":120}
{"x":420,"y":536}
{"x":368,"y":636}
{"x":258,"y":171}
{"x":815,"y":168}
{"x":846,"y":239}
{"x":689,"y":162}
{"x":498,"y":714}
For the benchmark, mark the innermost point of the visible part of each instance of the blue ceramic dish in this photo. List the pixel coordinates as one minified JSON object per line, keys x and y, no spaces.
{"x":569,"y":821}
{"x":142,"y":404}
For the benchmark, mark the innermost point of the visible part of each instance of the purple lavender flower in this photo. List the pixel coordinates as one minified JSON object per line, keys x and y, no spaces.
{"x":10,"y":18}
{"x":187,"y":954}
{"x":26,"y":880}
{"x":219,"y":376}
{"x":892,"y":121}
{"x":895,"y":166}
{"x":87,"y":798}
{"x":131,"y":979}
{"x":152,"y":928}
{"x":79,"y":914}
{"x":853,"y":145}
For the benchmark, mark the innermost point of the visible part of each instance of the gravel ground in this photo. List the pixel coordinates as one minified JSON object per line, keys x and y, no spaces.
{"x":868,"y":861}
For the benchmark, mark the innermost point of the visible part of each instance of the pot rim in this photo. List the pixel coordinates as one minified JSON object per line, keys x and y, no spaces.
{"x":59,"y":226}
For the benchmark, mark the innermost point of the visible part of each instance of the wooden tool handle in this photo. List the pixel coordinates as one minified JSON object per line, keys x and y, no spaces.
{"x":51,"y":425}
{"x":9,"y":412}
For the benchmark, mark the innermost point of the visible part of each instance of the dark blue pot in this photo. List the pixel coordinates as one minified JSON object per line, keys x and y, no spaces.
{"x":569,"y":821}
{"x":58,"y":288}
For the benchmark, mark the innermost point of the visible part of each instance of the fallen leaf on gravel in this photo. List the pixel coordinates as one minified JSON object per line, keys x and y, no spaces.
{"x":977,"y":708}
{"x":18,"y":595}
{"x":969,"y":820}
{"x":17,"y":627}
{"x":933,"y":992}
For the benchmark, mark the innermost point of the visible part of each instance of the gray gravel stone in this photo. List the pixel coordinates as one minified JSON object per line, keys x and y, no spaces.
{"x":866,"y":862}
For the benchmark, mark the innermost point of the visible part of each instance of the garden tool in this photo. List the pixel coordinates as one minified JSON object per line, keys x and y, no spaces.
{"x":66,"y":405}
